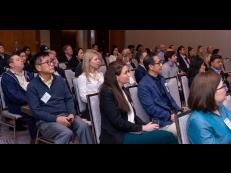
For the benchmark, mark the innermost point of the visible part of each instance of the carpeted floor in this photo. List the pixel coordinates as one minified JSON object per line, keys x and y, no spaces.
{"x":7,"y":136}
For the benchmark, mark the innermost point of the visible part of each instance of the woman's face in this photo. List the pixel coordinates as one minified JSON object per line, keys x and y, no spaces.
{"x":124,"y":76}
{"x":203,"y":68}
{"x":95,"y":62}
{"x":80,"y":54}
{"x":220,"y":94}
{"x":23,"y":56}
{"x":116,"y":51}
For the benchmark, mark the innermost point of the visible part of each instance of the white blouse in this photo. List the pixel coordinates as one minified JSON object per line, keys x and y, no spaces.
{"x":90,"y":86}
{"x":131,"y":114}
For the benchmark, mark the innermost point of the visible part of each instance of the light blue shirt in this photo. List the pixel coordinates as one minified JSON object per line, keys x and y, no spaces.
{"x":209,"y":128}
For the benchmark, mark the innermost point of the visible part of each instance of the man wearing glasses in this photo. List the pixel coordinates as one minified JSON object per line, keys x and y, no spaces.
{"x":155,"y":97}
{"x":216,"y":65}
{"x":52,"y":105}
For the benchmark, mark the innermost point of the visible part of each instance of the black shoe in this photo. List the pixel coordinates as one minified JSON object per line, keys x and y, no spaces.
{"x":21,"y":128}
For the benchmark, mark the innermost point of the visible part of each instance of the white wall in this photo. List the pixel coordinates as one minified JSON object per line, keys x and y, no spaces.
{"x":149,"y":38}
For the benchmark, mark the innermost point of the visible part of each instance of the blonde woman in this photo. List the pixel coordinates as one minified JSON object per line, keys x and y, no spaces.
{"x":90,"y":80}
{"x":126,"y":58}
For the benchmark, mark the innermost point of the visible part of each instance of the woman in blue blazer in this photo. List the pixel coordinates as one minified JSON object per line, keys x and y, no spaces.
{"x":210,"y":120}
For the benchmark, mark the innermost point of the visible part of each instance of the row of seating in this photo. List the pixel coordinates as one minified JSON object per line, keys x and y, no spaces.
{"x":95,"y":115}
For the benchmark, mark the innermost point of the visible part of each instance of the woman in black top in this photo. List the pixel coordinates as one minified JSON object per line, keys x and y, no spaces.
{"x":119,"y":123}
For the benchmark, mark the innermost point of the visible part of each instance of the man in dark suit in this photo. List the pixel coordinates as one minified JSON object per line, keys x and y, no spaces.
{"x":69,"y":57}
{"x":216,"y":65}
{"x":3,"y":59}
{"x":155,"y":97}
{"x":183,"y":60}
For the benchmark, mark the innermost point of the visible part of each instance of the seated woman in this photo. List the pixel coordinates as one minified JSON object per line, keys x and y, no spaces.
{"x":90,"y":80}
{"x":209,"y":122}
{"x":119,"y":123}
{"x":197,"y":65}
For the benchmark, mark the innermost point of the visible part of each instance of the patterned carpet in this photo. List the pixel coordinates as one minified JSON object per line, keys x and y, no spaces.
{"x":7,"y":136}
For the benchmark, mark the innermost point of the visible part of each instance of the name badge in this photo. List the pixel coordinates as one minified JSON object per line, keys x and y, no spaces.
{"x":228,"y":123}
{"x":46,"y":97}
{"x":166,"y":86}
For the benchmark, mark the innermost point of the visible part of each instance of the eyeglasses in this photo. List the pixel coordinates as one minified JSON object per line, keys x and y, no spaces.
{"x":223,"y":86}
{"x":159,"y":63}
{"x":47,"y":62}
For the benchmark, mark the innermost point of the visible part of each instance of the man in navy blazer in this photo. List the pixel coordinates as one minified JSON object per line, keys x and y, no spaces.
{"x":155,"y":97}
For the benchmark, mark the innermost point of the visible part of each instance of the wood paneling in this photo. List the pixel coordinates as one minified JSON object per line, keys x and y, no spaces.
{"x":117,"y":37}
{"x":13,"y":39}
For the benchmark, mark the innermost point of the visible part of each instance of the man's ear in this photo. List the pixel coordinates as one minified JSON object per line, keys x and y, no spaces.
{"x":38,"y":68}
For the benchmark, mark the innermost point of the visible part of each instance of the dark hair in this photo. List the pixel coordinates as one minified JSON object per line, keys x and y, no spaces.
{"x":138,"y":46}
{"x":198,"y":47}
{"x":194,"y":68}
{"x":202,"y":92}
{"x":148,"y":51}
{"x":18,"y":52}
{"x":37,"y":58}
{"x":10,"y":60}
{"x":113,"y":48}
{"x":149,"y":60}
{"x":110,"y":82}
{"x":214,"y":57}
{"x":215,"y":51}
{"x":66,"y":46}
{"x":168,"y":55}
{"x":76,"y":51}
{"x":131,"y":46}
{"x":25,"y":48}
{"x":170,"y":47}
{"x":180,"y":48}
{"x":2,"y":44}
{"x":93,"y":45}
{"x":139,"y":56}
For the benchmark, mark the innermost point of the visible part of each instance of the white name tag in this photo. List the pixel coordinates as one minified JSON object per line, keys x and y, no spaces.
{"x":228,"y":123}
{"x":46,"y":97}
{"x":166,"y":86}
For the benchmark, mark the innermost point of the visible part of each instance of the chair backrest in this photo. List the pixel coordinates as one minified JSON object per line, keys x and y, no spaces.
{"x":227,"y":102}
{"x":4,"y":106}
{"x":81,"y":105}
{"x":227,"y":64}
{"x":95,"y":115}
{"x":172,"y":85}
{"x":103,"y":69}
{"x":185,"y":87}
{"x":137,"y":105}
{"x":69,"y":74}
{"x":181,"y":124}
{"x":132,"y":72}
{"x":62,"y":65}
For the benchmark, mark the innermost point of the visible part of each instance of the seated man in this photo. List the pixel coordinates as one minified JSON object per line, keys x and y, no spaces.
{"x":155,"y":97}
{"x":216,"y":66}
{"x":3,"y":59}
{"x":52,"y":105}
{"x":14,"y":85}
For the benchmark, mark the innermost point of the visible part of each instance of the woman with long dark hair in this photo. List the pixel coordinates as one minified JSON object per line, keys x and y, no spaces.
{"x":119,"y":123}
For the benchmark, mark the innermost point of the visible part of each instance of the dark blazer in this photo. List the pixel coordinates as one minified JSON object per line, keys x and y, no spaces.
{"x":152,"y":101}
{"x":114,"y":123}
{"x":224,"y":77}
{"x":182,"y":66}
{"x":79,"y":69}
{"x":140,"y":72}
{"x":72,"y":64}
{"x":3,"y":63}
{"x":15,"y":95}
